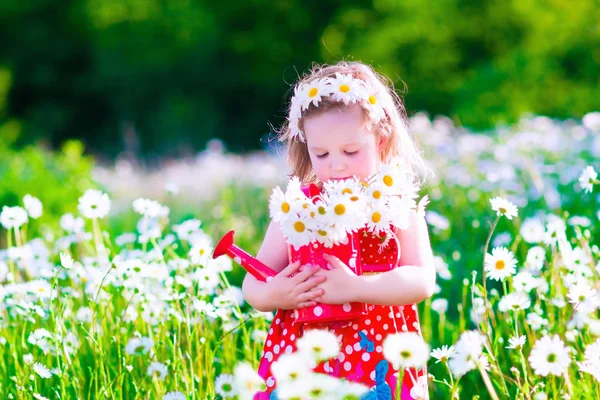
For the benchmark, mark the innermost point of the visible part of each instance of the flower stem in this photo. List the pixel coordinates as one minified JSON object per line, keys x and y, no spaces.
{"x":487,"y":382}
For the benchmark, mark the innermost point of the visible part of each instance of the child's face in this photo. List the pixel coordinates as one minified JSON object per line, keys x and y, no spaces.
{"x":340,"y":146}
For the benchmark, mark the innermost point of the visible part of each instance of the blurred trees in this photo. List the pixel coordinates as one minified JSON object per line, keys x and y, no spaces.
{"x":157,"y":76}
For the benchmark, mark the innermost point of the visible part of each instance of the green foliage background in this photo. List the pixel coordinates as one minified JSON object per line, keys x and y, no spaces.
{"x":164,"y":77}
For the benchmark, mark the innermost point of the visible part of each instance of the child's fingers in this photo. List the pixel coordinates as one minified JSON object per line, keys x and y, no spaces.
{"x":290,"y":269}
{"x":310,"y":283}
{"x":306,"y":273}
{"x":333,"y":261}
{"x":307,"y":304}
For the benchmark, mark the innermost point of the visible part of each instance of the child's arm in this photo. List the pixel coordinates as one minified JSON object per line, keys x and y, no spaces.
{"x":412,"y":283}
{"x":284,"y":290}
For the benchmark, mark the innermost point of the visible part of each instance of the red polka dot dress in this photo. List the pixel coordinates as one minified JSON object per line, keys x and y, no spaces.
{"x":361,"y":339}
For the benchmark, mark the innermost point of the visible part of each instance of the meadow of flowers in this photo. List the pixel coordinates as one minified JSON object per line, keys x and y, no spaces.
{"x":123,"y":301}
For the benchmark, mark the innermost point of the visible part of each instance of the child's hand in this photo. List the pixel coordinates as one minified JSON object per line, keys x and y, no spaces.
{"x":341,"y":284}
{"x":289,"y":292}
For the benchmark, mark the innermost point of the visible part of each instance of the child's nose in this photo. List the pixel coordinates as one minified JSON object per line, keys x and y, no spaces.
{"x":338,"y":166}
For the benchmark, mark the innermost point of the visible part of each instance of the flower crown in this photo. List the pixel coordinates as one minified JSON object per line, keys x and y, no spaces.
{"x":343,"y":88}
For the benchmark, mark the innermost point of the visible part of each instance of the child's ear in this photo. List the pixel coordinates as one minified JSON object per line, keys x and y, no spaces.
{"x":382,"y":141}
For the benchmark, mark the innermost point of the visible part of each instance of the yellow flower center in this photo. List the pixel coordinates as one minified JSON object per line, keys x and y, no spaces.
{"x":376,"y":217}
{"x":500,"y":264}
{"x":285,"y":207}
{"x":322,"y":233}
{"x":322,"y":210}
{"x":377,"y":194}
{"x":313,"y":92}
{"x":347,"y":191}
{"x":299,"y":226}
{"x":388,"y":181}
{"x":344,"y":88}
{"x":405,"y":354}
{"x":372,"y":100}
{"x":201,"y":252}
{"x":340,"y":209}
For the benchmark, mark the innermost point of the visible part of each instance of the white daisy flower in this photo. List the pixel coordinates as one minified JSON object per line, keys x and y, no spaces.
{"x":374,"y":103}
{"x":347,"y":214}
{"x":187,"y":229}
{"x":326,"y":235}
{"x":157,"y":369}
{"x":532,"y":230}
{"x":525,"y":282}
{"x":440,"y":306}
{"x":379,"y":218}
{"x":322,"y":386}
{"x":514,"y":302}
{"x":516,"y":343}
{"x":467,"y":352}
{"x":280,"y":206}
{"x":441,"y":220}
{"x":295,"y":131}
{"x":405,"y":350}
{"x":536,"y":321}
{"x":174,"y":396}
{"x":583,"y":297}
{"x":204,"y":308}
{"x":201,"y":250}
{"x":298,"y":230}
{"x":66,"y":260}
{"x":224,"y":386}
{"x":297,"y":390}
{"x":591,"y":362}
{"x":391,"y":179}
{"x":139,"y":345}
{"x":313,"y":92}
{"x":318,"y":344}
{"x":535,"y":258}
{"x":13,"y":217}
{"x":291,"y":368}
{"x":504,"y":207}
{"x":33,"y":205}
{"x":443,"y":353}
{"x":400,"y":210}
{"x":345,"y":187}
{"x":346,"y":89}
{"x":39,"y":397}
{"x":441,"y":267}
{"x":69,"y":223}
{"x":28,"y":359}
{"x":500,"y":264}
{"x":147,"y":208}
{"x":549,"y":356}
{"x":94,"y":204}
{"x":247,"y":381}
{"x":588,"y":179}
{"x":41,"y":370}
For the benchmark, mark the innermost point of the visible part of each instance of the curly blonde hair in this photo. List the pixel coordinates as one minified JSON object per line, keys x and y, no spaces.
{"x":393,"y":128}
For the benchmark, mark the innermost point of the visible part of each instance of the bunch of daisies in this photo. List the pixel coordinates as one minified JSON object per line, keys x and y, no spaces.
{"x":345,"y":206}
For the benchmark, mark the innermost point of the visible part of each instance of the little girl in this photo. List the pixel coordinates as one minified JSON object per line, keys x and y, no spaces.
{"x":344,"y":121}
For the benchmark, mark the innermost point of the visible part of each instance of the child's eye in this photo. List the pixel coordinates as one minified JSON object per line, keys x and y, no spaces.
{"x":322,"y":155}
{"x":351,"y":153}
